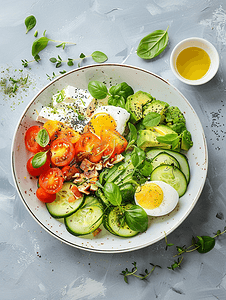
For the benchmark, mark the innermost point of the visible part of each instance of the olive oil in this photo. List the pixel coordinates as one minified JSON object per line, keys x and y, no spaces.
{"x":193,"y":63}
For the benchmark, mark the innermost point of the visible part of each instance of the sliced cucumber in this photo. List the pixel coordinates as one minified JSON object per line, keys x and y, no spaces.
{"x":164,"y":158}
{"x":87,"y":218}
{"x":181,"y":158}
{"x":65,"y":203}
{"x":171,"y":175}
{"x":112,"y":223}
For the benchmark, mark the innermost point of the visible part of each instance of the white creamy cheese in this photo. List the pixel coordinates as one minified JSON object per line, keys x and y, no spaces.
{"x":78,"y":99}
{"x":69,"y":107}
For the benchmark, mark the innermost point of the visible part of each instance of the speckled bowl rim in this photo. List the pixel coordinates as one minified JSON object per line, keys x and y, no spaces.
{"x":131,"y":247}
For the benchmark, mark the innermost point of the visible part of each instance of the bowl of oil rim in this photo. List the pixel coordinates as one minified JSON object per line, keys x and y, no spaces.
{"x":194,"y":61}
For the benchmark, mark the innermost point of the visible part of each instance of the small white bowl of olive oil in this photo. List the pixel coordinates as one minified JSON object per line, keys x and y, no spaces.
{"x":194,"y":61}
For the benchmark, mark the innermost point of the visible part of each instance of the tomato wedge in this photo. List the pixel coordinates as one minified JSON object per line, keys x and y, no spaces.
{"x":30,"y":140}
{"x":45,"y":197}
{"x":62,"y":151}
{"x":38,"y":171}
{"x":114,"y":142}
{"x":89,"y":146}
{"x":57,"y":129}
{"x":51,"y":180}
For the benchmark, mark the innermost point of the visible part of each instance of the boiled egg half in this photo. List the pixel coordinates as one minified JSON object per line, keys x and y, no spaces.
{"x":157,"y":198}
{"x":108,"y":117}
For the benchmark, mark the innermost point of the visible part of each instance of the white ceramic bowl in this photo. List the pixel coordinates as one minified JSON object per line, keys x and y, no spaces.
{"x":200,"y":43}
{"x":139,"y":79}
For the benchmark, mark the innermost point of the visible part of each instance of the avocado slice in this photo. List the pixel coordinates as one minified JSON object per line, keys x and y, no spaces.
{"x":147,"y":138}
{"x":135,"y":103}
{"x":162,"y":129}
{"x":157,"y":106}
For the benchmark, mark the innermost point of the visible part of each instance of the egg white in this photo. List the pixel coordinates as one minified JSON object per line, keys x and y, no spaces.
{"x":170,"y":200}
{"x":119,"y":114}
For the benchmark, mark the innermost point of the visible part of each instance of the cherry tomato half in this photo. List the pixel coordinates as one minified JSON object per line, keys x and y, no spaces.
{"x":62,"y":151}
{"x":89,"y":146}
{"x":30,"y":140}
{"x":51,"y":180}
{"x":37,"y":171}
{"x":45,"y":197}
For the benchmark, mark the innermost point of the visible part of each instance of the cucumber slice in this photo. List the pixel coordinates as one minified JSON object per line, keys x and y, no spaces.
{"x":181,"y":158}
{"x":164,"y":159}
{"x":114,"y":226}
{"x":171,"y":175}
{"x":65,"y":203}
{"x":87,"y":218}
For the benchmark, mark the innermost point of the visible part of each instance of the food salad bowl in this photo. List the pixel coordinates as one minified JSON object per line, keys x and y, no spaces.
{"x":138,"y":79}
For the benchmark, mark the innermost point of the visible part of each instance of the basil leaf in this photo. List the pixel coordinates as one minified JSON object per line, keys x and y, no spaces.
{"x":168,"y":138}
{"x":39,"y":159}
{"x":43,"y":137}
{"x":153,"y":44}
{"x":205,"y":243}
{"x":121,"y":89}
{"x":137,"y":157}
{"x":112,"y":193}
{"x":151,"y":119}
{"x":39,"y":45}
{"x":30,"y":23}
{"x":99,"y":56}
{"x":132,"y":136}
{"x":136,"y":218}
{"x":116,"y":101}
{"x":97,"y":89}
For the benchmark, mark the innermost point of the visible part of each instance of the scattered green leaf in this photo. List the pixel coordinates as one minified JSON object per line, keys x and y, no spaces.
{"x":153,"y":44}
{"x":39,"y":159}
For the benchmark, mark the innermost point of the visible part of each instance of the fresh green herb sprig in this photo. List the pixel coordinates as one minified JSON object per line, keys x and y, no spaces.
{"x":97,"y":56}
{"x":202,"y":244}
{"x":126,"y":273}
{"x":41,"y":43}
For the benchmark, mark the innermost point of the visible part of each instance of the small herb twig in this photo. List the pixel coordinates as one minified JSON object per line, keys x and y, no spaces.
{"x":167,"y":244}
{"x":54,"y":75}
{"x":127,"y":273}
{"x":25,"y":62}
{"x":176,"y":264}
{"x":42,"y":42}
{"x":202,"y":244}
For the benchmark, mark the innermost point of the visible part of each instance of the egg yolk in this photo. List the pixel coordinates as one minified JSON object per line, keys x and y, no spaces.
{"x":149,"y":196}
{"x":101,"y":121}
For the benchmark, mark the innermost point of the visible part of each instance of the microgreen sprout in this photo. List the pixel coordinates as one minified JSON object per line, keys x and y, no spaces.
{"x":97,"y":56}
{"x":144,"y":276}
